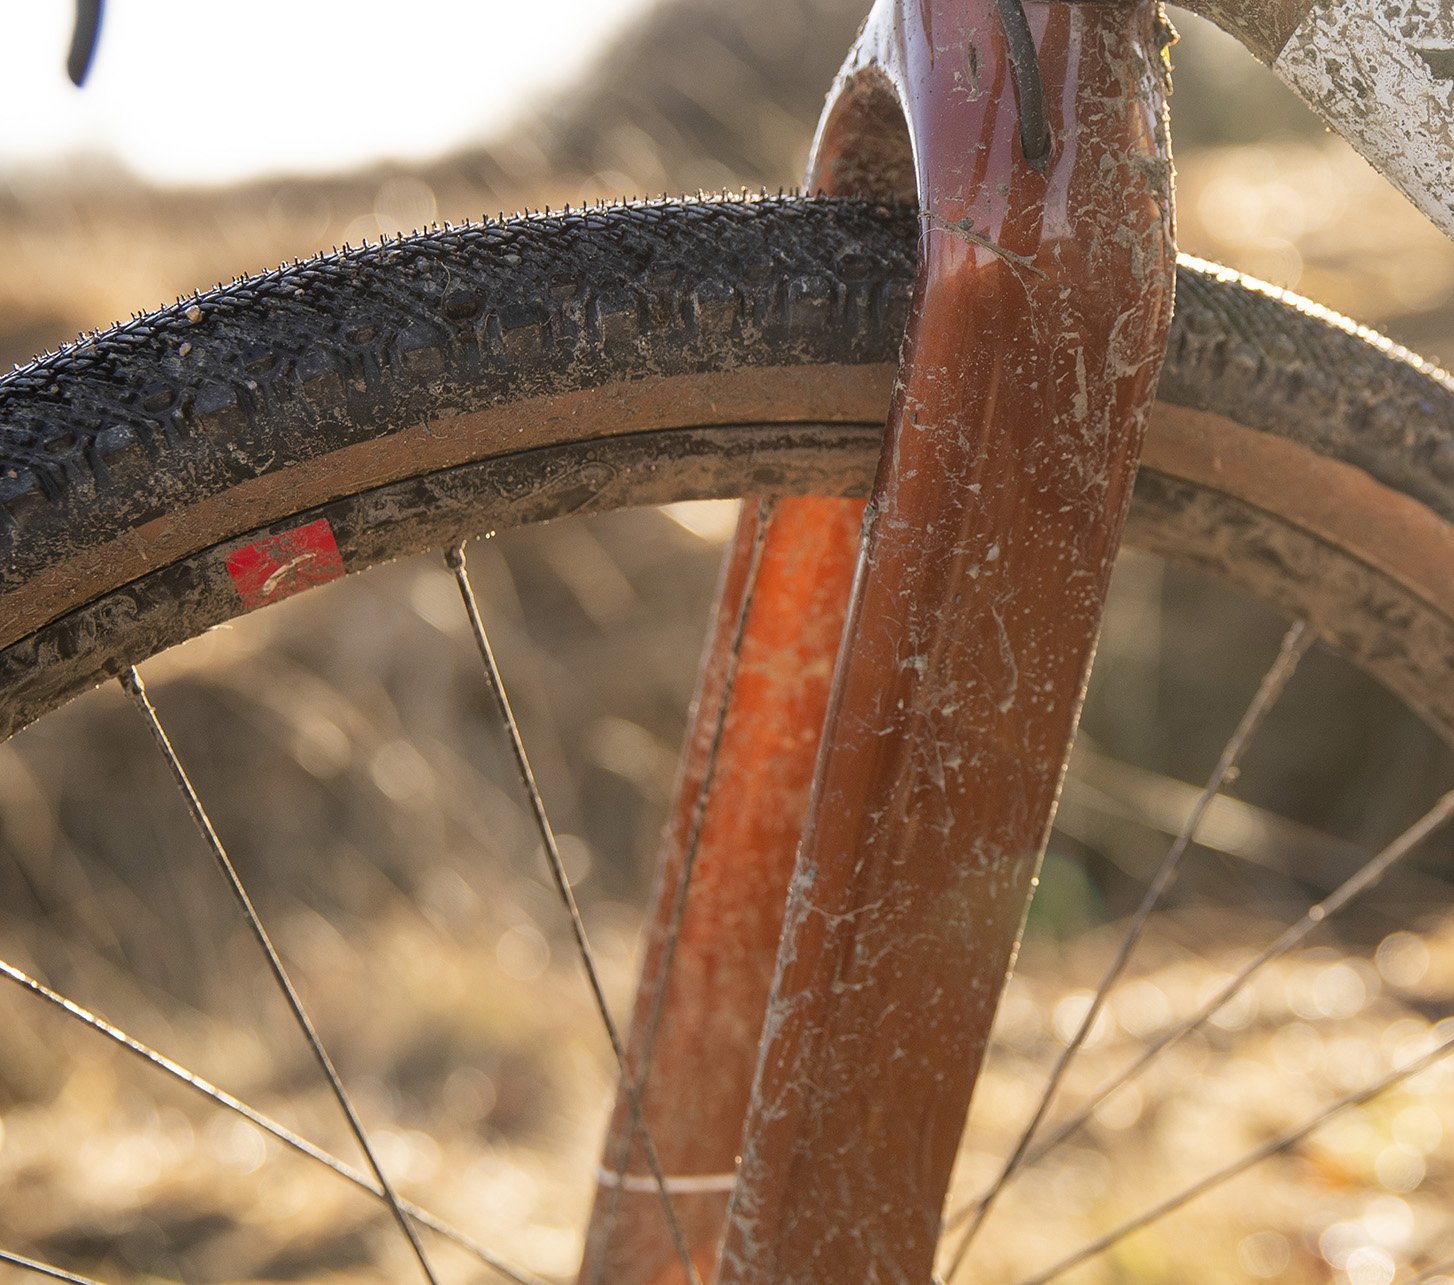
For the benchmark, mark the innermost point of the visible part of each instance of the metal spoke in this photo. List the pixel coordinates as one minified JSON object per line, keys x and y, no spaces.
{"x":1106,"y":788}
{"x":689,"y":855}
{"x":1294,"y":647}
{"x":1282,"y":1142}
{"x":455,"y":560}
{"x":1317,"y":914}
{"x":220,"y":1097}
{"x":44,"y":1269}
{"x":132,"y":684}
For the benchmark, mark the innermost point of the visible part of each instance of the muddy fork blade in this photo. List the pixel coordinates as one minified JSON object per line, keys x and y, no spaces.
{"x":1031,"y":361}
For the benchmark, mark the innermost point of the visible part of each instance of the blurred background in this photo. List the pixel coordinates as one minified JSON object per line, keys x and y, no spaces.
{"x":344,"y":746}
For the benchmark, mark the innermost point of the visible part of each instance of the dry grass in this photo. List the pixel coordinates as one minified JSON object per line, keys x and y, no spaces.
{"x":495,"y":1091}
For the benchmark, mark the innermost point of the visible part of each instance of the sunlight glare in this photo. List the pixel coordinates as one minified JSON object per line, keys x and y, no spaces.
{"x":182,"y":92}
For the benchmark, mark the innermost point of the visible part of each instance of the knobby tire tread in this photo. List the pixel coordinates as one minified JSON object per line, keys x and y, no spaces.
{"x":254,"y":378}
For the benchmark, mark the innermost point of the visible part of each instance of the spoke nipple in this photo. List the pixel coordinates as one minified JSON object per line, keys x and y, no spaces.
{"x":454,"y":558}
{"x":130,"y":681}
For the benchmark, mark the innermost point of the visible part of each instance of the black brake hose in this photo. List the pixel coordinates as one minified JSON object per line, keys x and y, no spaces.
{"x":84,"y":39}
{"x":1035,"y":140}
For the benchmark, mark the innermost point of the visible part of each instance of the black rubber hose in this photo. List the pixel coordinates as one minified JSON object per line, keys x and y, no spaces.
{"x":1029,"y":85}
{"x":84,"y":39}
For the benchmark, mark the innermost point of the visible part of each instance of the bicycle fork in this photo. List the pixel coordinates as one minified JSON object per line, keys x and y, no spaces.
{"x":1036,"y":147}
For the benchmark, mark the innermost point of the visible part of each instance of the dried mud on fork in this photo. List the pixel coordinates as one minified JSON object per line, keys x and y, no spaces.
{"x":402,"y":878}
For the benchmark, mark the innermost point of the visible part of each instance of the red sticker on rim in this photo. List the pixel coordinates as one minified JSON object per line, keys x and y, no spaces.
{"x":278,"y":566}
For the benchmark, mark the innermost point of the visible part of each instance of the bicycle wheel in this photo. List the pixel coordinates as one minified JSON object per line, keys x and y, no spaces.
{"x":268,"y":436}
{"x":471,"y":379}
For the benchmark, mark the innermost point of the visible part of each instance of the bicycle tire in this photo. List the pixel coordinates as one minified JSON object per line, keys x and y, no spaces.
{"x":413,"y":392}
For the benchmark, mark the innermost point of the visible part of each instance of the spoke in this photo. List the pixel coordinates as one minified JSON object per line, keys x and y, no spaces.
{"x":132,"y":684}
{"x":455,"y":560}
{"x":1282,"y":1142}
{"x":1294,"y":647}
{"x":689,"y":856}
{"x":220,"y":1097}
{"x":1110,"y":788}
{"x":1317,"y":914}
{"x":44,"y":1269}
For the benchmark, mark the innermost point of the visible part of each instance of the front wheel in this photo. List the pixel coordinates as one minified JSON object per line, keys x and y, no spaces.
{"x":267,"y":437}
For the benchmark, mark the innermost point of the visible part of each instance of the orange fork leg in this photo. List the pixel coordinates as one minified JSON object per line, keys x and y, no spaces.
{"x":1032,"y":355}
{"x":733,"y":832}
